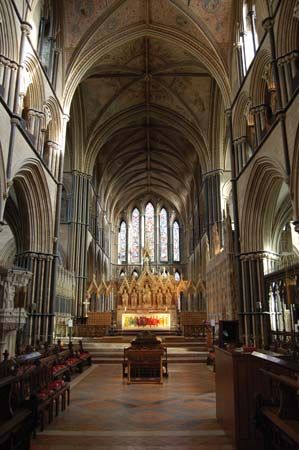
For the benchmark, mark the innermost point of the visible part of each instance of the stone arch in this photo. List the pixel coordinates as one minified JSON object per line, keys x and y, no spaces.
{"x":53,"y":124}
{"x":260,"y":206}
{"x":51,"y":132}
{"x":241,"y":113}
{"x":8,"y":32}
{"x":295,"y":177}
{"x":32,"y":193}
{"x":32,"y":89}
{"x":287,"y":41}
{"x":258,"y":82}
{"x":2,"y":183}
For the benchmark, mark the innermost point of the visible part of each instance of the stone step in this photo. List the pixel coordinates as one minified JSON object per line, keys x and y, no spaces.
{"x":182,"y":360}
{"x":172,"y":349}
{"x":120,"y":339}
{"x":169,"y":355}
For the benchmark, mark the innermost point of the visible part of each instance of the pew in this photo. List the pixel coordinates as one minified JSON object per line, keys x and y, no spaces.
{"x":47,"y":394}
{"x":16,"y":418}
{"x":75,"y":357}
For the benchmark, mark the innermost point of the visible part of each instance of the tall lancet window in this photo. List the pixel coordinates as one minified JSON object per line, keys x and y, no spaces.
{"x":249,"y":36}
{"x":122,"y":242}
{"x":163,"y":235}
{"x":176,"y":241}
{"x":135,"y":236}
{"x":149,"y":230}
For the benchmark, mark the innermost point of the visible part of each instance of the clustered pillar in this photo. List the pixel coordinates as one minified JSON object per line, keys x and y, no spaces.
{"x":79,"y":227}
{"x":39,"y":292}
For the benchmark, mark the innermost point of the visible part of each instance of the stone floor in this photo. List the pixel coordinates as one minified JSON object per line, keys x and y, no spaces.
{"x":106,"y":413}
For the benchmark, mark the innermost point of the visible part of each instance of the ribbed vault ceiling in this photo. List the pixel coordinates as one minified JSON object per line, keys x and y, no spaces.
{"x":145,"y":116}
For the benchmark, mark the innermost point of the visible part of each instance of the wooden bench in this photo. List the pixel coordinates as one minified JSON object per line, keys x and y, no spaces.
{"x":34,"y":387}
{"x":58,"y":367}
{"x":47,"y":394}
{"x":16,"y":418}
{"x":145,"y":365}
{"x":74,"y":357}
{"x":164,"y":362}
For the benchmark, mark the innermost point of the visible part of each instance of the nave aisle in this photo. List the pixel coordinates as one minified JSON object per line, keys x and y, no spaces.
{"x":106,"y":413}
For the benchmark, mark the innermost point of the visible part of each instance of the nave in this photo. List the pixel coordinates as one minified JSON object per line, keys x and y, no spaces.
{"x":107,"y":413}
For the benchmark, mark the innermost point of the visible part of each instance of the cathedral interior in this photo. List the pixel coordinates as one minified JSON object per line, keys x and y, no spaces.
{"x":149,"y":182}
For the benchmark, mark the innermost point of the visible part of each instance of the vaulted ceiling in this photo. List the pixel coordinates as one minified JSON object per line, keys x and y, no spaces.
{"x":145,"y":108}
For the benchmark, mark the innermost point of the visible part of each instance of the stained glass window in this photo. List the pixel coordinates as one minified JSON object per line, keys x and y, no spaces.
{"x":135,"y":244}
{"x":149,"y":228}
{"x":122,"y":242}
{"x":163,"y":236}
{"x":176,"y":241}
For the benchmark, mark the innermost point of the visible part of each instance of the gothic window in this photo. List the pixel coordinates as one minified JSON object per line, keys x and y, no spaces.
{"x":122,"y":242}
{"x":248,"y":34}
{"x":176,"y":241}
{"x":141,"y":230}
{"x":135,"y":241}
{"x":149,"y":230}
{"x":163,"y":235}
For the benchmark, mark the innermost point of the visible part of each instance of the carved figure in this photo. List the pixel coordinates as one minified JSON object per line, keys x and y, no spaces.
{"x":159,"y":298}
{"x":168,"y":298}
{"x":147,"y":296}
{"x":134,"y":299}
{"x":125,"y":298}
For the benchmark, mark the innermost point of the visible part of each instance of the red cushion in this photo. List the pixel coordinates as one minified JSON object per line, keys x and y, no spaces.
{"x":42,"y":396}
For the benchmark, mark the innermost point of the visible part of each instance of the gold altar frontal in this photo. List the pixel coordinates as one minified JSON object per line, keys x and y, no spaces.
{"x":146,"y":321}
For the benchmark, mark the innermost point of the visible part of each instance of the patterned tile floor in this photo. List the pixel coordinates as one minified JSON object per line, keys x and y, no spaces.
{"x":106,"y":413}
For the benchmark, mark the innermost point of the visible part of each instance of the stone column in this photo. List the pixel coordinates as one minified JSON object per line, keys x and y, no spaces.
{"x":255,"y":306}
{"x":12,"y":84}
{"x":213,"y":213}
{"x":237,"y":245}
{"x":257,"y":125}
{"x":79,"y":228}
{"x":282,"y":82}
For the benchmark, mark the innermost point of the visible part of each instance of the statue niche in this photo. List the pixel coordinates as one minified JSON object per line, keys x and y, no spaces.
{"x":147,"y":297}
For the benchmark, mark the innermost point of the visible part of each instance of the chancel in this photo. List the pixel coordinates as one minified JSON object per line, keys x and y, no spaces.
{"x":149,"y":189}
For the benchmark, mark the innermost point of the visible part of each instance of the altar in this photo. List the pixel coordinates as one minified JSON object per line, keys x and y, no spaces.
{"x":148,"y":301}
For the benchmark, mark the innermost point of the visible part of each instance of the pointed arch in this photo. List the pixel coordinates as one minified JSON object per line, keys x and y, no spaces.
{"x":33,"y":198}
{"x":241,"y":112}
{"x":2,"y":183}
{"x":122,"y":242}
{"x":149,"y":229}
{"x":287,"y":41}
{"x":260,"y":205}
{"x":258,"y":80}
{"x":135,"y":236}
{"x":295,"y":177}
{"x":52,"y":119}
{"x":176,"y":241}
{"x":8,"y":32}
{"x":163,"y":235}
{"x":33,"y":84}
